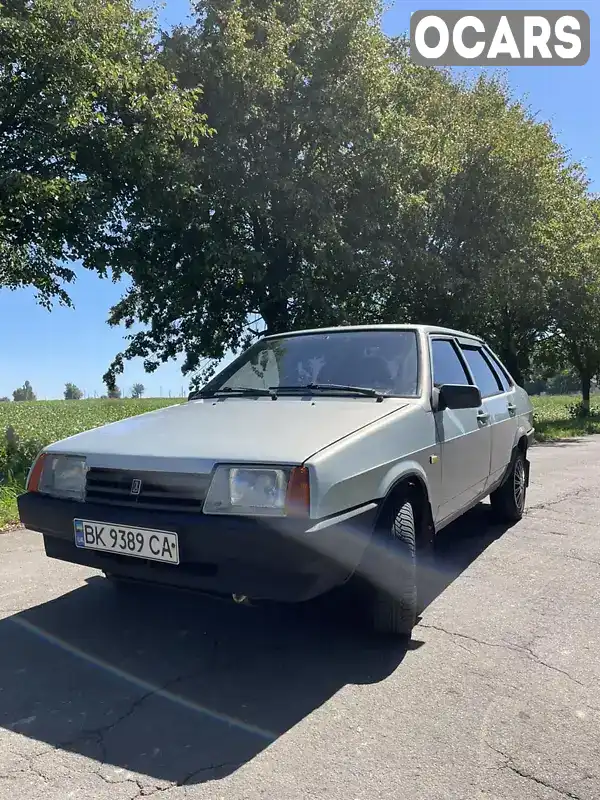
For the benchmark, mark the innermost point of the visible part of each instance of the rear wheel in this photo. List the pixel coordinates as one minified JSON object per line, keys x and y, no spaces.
{"x":508,"y":501}
{"x":394,"y":604}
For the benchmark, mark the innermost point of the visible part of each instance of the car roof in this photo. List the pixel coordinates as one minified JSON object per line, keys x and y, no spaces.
{"x":428,"y":329}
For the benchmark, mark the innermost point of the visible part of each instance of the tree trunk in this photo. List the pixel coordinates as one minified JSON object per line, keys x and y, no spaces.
{"x":508,"y":350}
{"x":511,"y":361}
{"x":586,"y":383}
{"x":275,"y":316}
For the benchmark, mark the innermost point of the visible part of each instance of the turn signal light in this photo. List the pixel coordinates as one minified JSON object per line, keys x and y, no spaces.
{"x":297,"y":499}
{"x":35,"y":475}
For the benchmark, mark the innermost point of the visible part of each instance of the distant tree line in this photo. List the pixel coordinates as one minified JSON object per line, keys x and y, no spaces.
{"x":564,"y":382}
{"x":284,"y":165}
{"x":73,"y":392}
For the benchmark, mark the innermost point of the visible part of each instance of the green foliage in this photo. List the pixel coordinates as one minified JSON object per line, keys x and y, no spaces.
{"x":339,"y":183}
{"x":89,"y":120}
{"x":574,"y":336}
{"x":578,"y":410}
{"x":72,"y":392}
{"x":24,"y":393}
{"x":554,"y":419}
{"x":138,"y":390}
{"x":114,"y":393}
{"x":25,"y":428}
{"x":309,"y":184}
{"x":494,"y":235}
{"x":565,"y":382}
{"x":8,"y":505}
{"x":344,"y":184}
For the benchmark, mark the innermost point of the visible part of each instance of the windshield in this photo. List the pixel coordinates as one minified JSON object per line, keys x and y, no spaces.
{"x":385,"y":360}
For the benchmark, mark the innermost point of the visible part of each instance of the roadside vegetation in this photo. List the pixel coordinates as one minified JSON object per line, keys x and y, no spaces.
{"x":561,"y":417}
{"x":26,"y":427}
{"x":286,"y":165}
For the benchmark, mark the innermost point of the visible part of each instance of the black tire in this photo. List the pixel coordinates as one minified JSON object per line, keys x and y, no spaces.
{"x":394,"y":604}
{"x":508,"y":500}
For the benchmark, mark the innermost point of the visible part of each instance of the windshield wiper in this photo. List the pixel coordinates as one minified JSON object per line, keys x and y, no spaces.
{"x":330,"y":387}
{"x":248,"y":391}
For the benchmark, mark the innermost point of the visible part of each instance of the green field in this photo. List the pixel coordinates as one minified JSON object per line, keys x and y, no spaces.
{"x":38,"y":423}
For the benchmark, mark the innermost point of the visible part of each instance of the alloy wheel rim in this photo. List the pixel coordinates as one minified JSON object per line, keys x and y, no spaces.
{"x":519,"y":484}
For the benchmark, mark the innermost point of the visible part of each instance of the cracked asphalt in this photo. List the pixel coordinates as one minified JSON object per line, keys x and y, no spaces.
{"x":498,"y":695}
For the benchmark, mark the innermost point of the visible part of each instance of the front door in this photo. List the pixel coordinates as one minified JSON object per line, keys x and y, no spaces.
{"x":464,"y":435}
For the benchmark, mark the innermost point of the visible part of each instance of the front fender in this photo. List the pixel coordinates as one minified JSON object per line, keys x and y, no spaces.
{"x":400,"y":472}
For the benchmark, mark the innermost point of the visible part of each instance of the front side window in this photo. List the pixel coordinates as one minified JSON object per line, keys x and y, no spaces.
{"x":386,"y":361}
{"x":485,"y":378}
{"x":446,"y":364}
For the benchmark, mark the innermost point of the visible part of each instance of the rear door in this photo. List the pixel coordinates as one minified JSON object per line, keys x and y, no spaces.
{"x":464,"y":434}
{"x":498,"y":402}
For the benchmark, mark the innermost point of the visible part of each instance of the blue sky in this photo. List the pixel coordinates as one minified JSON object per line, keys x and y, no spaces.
{"x":50,"y":348}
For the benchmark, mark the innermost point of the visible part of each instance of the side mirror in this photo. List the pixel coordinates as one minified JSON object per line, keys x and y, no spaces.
{"x":452,"y":395}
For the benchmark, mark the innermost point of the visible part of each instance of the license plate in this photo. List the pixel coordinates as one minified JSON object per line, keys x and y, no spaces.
{"x":138,"y":542}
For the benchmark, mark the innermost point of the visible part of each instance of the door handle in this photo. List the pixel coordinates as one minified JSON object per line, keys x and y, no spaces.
{"x":482,"y":417}
{"x":512,"y":409}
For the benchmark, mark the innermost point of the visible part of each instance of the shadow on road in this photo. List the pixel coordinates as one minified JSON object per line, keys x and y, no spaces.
{"x":187,"y":689}
{"x":458,"y":545}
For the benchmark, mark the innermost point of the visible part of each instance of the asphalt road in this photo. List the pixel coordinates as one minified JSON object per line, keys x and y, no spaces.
{"x":166,"y":695}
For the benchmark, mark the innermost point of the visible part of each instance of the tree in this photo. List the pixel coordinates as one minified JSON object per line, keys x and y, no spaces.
{"x":4,"y":399}
{"x":114,"y":393}
{"x":564,"y":382}
{"x":138,"y":390}
{"x":305,"y":183}
{"x":24,"y":392}
{"x":89,"y":120}
{"x":496,"y":200}
{"x":72,"y":392}
{"x":574,"y":337}
{"x":343,"y":184}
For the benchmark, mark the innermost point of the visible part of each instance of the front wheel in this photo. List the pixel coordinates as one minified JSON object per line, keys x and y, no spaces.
{"x":394,"y":604}
{"x":508,"y":501}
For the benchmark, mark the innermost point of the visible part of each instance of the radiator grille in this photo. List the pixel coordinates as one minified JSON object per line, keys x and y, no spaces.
{"x":165,"y":491}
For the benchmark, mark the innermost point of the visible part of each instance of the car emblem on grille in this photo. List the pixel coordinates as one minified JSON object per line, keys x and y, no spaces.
{"x":136,"y":486}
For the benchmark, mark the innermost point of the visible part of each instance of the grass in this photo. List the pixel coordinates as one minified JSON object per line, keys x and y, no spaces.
{"x":39,"y":423}
{"x":44,"y":421}
{"x":554,"y":420}
{"x":8,"y":505}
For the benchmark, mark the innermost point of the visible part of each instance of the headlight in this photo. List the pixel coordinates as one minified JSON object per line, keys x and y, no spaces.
{"x":63,"y":476}
{"x":258,"y":491}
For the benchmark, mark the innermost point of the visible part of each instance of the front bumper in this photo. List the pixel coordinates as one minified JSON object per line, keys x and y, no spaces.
{"x":267,"y":558}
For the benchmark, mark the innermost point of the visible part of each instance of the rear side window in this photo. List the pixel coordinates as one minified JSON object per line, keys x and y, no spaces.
{"x":485,"y":377}
{"x":500,"y":370}
{"x":446,"y":363}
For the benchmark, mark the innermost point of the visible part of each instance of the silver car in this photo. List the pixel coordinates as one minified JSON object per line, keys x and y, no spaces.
{"x":315,"y":460}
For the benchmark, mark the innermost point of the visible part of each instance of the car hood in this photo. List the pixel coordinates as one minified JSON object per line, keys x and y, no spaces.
{"x":193,"y":436}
